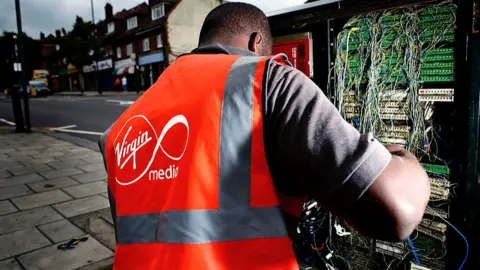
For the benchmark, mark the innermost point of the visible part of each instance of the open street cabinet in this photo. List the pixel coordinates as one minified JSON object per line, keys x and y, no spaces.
{"x":409,"y":72}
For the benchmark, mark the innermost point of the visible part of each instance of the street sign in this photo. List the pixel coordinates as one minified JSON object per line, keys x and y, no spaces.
{"x":17,"y":67}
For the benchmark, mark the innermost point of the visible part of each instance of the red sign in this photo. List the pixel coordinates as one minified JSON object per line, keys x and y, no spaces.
{"x":299,"y":53}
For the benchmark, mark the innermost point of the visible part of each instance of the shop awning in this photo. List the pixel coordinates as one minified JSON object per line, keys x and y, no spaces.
{"x":124,"y":71}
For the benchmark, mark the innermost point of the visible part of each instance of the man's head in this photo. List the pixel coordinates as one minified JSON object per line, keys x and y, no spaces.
{"x":238,"y":25}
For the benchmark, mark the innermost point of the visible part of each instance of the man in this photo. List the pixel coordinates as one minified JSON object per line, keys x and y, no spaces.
{"x":195,"y":165}
{"x":124,"y":84}
{"x":117,"y":83}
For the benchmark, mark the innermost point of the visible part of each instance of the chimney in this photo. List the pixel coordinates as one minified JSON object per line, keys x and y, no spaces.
{"x":58,"y":34}
{"x":42,"y":36}
{"x":108,"y":11}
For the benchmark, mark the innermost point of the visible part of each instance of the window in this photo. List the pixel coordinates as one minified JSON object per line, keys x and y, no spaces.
{"x":158,"y":11}
{"x":146,"y":45}
{"x":132,"y":23}
{"x":119,"y":52}
{"x":159,"y":41}
{"x":111,"y":27}
{"x":129,"y":49}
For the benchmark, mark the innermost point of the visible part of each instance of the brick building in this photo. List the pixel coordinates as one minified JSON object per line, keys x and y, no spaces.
{"x":132,"y":41}
{"x":53,"y":61}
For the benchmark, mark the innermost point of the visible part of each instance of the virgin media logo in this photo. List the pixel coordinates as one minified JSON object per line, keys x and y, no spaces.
{"x":137,"y":145}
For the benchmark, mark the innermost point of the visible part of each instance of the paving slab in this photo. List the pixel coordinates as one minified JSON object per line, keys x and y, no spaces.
{"x":4,"y":173}
{"x":32,"y":147}
{"x":10,"y":264}
{"x":106,"y":264}
{"x":36,"y":161}
{"x":23,"y":153}
{"x":52,"y":184}
{"x":5,"y":150}
{"x":105,"y":194}
{"x":26,"y":219}
{"x":91,"y":177}
{"x":61,"y":173}
{"x":6,"y":207}
{"x":14,"y":191}
{"x":31,"y":168}
{"x":93,"y":167}
{"x":77,"y":150}
{"x":10,"y":163}
{"x":95,"y":224}
{"x":41,"y":199}
{"x":21,"y":241}
{"x":47,"y":155}
{"x":73,"y":157}
{"x":82,"y":206}
{"x":85,"y":190}
{"x":83,"y":254}
{"x":66,"y":164}
{"x":17,"y":180}
{"x":93,"y":159}
{"x":61,"y":230}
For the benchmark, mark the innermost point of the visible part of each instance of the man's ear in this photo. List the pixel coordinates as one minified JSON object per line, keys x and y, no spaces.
{"x":255,"y":43}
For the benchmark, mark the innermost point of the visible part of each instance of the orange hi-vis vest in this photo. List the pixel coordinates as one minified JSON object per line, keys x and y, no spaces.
{"x":188,"y":173}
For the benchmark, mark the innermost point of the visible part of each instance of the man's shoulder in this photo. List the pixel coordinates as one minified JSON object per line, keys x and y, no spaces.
{"x":283,"y":72}
{"x":281,"y":77}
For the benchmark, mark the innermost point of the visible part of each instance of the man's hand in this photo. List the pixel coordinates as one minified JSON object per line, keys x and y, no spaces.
{"x":399,"y":151}
{"x":394,"y":204}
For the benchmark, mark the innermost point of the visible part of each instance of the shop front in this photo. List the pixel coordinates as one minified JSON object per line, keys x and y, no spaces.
{"x":105,"y":77}
{"x":74,"y":78}
{"x":125,"y":67}
{"x":151,"y":66}
{"x":89,"y":76}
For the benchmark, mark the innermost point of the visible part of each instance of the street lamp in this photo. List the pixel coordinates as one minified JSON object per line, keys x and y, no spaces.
{"x":26,"y":105}
{"x":95,"y":60}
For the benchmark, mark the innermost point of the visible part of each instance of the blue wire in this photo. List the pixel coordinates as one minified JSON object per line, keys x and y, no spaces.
{"x":414,"y":252}
{"x":467,"y":251}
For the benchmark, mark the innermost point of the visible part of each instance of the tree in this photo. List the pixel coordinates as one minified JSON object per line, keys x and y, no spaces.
{"x":79,"y":45}
{"x":33,"y":58}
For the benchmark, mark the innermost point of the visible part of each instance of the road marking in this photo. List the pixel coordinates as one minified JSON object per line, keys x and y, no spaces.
{"x":121,"y":102}
{"x":7,"y":122}
{"x":79,"y":131}
{"x":65,"y":127}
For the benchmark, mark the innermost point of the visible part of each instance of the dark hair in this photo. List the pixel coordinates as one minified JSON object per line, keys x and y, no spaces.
{"x":228,"y":20}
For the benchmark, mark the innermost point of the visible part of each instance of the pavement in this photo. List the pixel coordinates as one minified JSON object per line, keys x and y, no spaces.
{"x":82,"y":116}
{"x":53,"y":187}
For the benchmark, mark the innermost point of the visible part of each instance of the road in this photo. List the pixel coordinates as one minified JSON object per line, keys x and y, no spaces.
{"x":85,"y":117}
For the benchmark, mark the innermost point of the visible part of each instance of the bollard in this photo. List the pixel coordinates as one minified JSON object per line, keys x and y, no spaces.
{"x":17,"y":108}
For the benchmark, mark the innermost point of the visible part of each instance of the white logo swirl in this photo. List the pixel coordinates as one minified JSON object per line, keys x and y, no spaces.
{"x":126,"y":152}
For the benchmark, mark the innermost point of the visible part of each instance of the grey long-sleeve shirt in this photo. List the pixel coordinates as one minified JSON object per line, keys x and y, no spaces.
{"x":309,"y":146}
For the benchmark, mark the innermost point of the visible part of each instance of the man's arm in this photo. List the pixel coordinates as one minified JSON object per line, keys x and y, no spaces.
{"x":111,"y":199}
{"x":311,"y":150}
{"x":396,"y":200}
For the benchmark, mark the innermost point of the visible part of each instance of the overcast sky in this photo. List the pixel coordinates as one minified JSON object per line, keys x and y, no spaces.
{"x":48,"y":15}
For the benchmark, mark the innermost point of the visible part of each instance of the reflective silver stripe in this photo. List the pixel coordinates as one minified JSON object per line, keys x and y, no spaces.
{"x":201,"y":226}
{"x":236,"y":134}
{"x":102,"y":142}
{"x":235,"y":219}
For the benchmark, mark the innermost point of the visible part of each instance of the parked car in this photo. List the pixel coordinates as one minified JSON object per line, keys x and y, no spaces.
{"x":34,"y":88}
{"x":38,"y":88}
{"x":8,"y":91}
